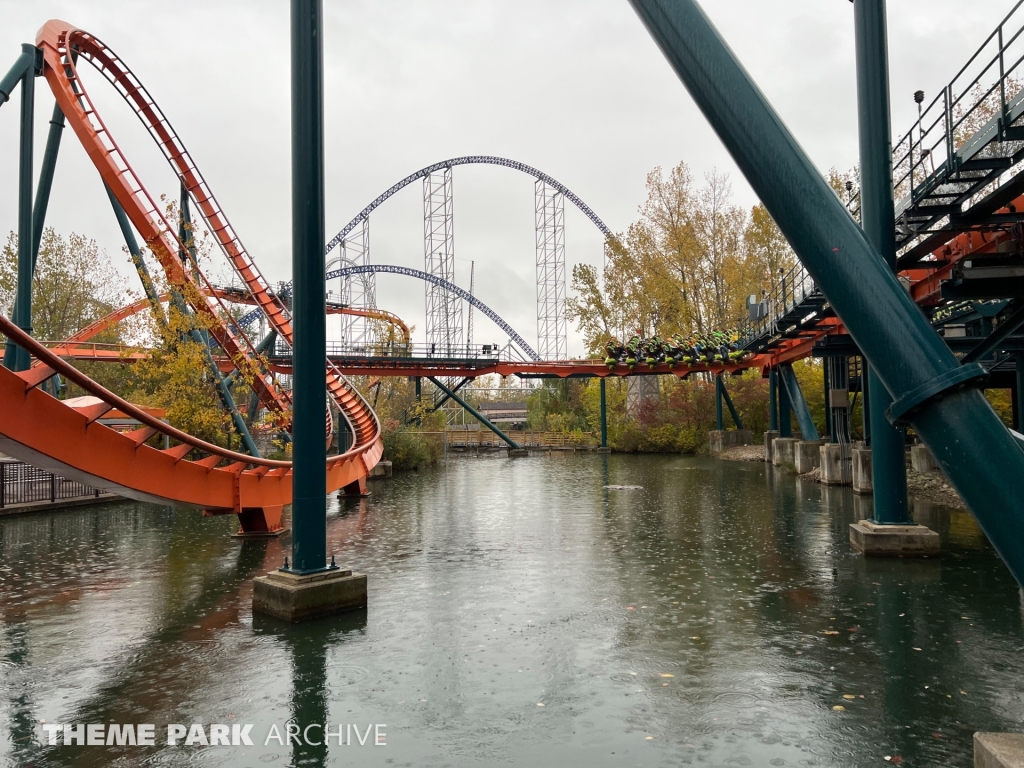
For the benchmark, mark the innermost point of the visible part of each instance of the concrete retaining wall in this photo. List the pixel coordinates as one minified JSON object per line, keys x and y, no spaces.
{"x":721,"y":439}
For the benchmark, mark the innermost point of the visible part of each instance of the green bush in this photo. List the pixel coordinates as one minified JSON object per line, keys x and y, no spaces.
{"x":408,"y":449}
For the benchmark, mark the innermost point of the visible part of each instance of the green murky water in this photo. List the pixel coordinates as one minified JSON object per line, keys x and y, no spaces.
{"x":716,"y":616}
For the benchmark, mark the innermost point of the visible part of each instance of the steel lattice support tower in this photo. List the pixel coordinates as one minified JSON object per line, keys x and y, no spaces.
{"x":444,"y":309}
{"x":550,"y":222}
{"x":358,"y":291}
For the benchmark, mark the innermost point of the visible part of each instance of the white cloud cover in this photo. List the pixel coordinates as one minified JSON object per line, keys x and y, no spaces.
{"x":573,"y":87}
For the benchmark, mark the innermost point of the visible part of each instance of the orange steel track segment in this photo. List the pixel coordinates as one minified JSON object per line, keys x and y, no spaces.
{"x":57,"y":38}
{"x":95,"y":454}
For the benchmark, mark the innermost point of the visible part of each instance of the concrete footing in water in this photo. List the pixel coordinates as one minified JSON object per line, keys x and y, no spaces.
{"x":721,"y":439}
{"x":382,"y":469}
{"x":893,"y":540}
{"x":770,"y":436}
{"x":999,"y":750}
{"x":295,"y":597}
{"x":835,"y":464}
{"x":603,"y":450}
{"x":861,"y":469}
{"x":921,"y":459}
{"x":784,"y":453}
{"x":516,"y":452}
{"x":807,"y":455}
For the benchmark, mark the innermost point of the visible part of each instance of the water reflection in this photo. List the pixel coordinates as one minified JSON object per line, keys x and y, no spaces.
{"x":308,"y":645}
{"x":522,"y":613}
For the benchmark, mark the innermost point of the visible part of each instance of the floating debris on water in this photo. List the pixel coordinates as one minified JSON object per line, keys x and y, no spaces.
{"x":623,"y":487}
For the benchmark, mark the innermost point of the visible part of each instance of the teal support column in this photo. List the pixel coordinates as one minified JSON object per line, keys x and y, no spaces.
{"x":440,"y":403}
{"x":46,"y":172}
{"x":419,"y":398}
{"x":136,"y":255}
{"x":865,"y":398}
{"x":773,"y":400}
{"x":888,"y":464}
{"x":476,"y":414}
{"x":830,"y":431}
{"x":604,"y":414}
{"x":44,"y":187}
{"x":785,"y":412}
{"x":17,"y":72}
{"x":309,"y":473}
{"x":729,"y":404}
{"x":795,"y":396}
{"x":16,"y":358}
{"x":1019,"y":399}
{"x":718,"y":403}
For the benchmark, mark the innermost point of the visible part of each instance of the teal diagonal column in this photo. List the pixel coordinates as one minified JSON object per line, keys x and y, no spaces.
{"x":888,"y":466}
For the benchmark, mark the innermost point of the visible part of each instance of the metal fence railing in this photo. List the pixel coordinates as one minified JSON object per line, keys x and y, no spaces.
{"x":22,"y":483}
{"x":971,"y":119}
{"x":495,"y":352}
{"x":792,"y":290}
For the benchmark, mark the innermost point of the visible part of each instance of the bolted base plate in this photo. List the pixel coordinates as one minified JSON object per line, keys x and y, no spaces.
{"x":893,"y":540}
{"x":295,"y":597}
{"x":260,"y":534}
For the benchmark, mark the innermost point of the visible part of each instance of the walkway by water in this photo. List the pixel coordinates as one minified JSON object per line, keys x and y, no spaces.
{"x":522,"y":615}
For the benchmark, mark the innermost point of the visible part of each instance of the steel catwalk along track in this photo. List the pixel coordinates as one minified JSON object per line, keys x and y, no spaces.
{"x":73,"y":443}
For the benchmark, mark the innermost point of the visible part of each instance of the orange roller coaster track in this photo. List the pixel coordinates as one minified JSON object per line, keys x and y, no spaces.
{"x":72,"y":442}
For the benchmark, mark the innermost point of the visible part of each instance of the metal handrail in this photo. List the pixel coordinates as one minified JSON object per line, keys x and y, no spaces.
{"x":928,"y":153}
{"x":792,"y":289}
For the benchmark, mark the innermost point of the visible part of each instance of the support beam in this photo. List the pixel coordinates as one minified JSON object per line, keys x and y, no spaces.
{"x":795,"y":396}
{"x":719,"y":421}
{"x":837,"y":403}
{"x":1019,"y":399}
{"x":549,"y":210}
{"x":45,"y":185}
{"x":604,"y":414}
{"x":476,"y":414}
{"x":136,"y":255}
{"x":829,"y":431}
{"x":732,"y":408}
{"x":46,"y":172}
{"x":443,"y":308}
{"x":17,"y":72}
{"x":723,"y":394}
{"x":309,"y":474}
{"x":785,"y":410}
{"x":16,"y":358}
{"x":773,"y":401}
{"x":1001,"y":334}
{"x":888,"y":464}
{"x":440,"y":403}
{"x":865,"y":398}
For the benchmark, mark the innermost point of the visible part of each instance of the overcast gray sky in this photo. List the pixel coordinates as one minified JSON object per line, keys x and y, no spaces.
{"x":575,"y":88}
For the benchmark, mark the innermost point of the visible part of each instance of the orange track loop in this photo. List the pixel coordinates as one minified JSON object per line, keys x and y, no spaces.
{"x":77,"y":447}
